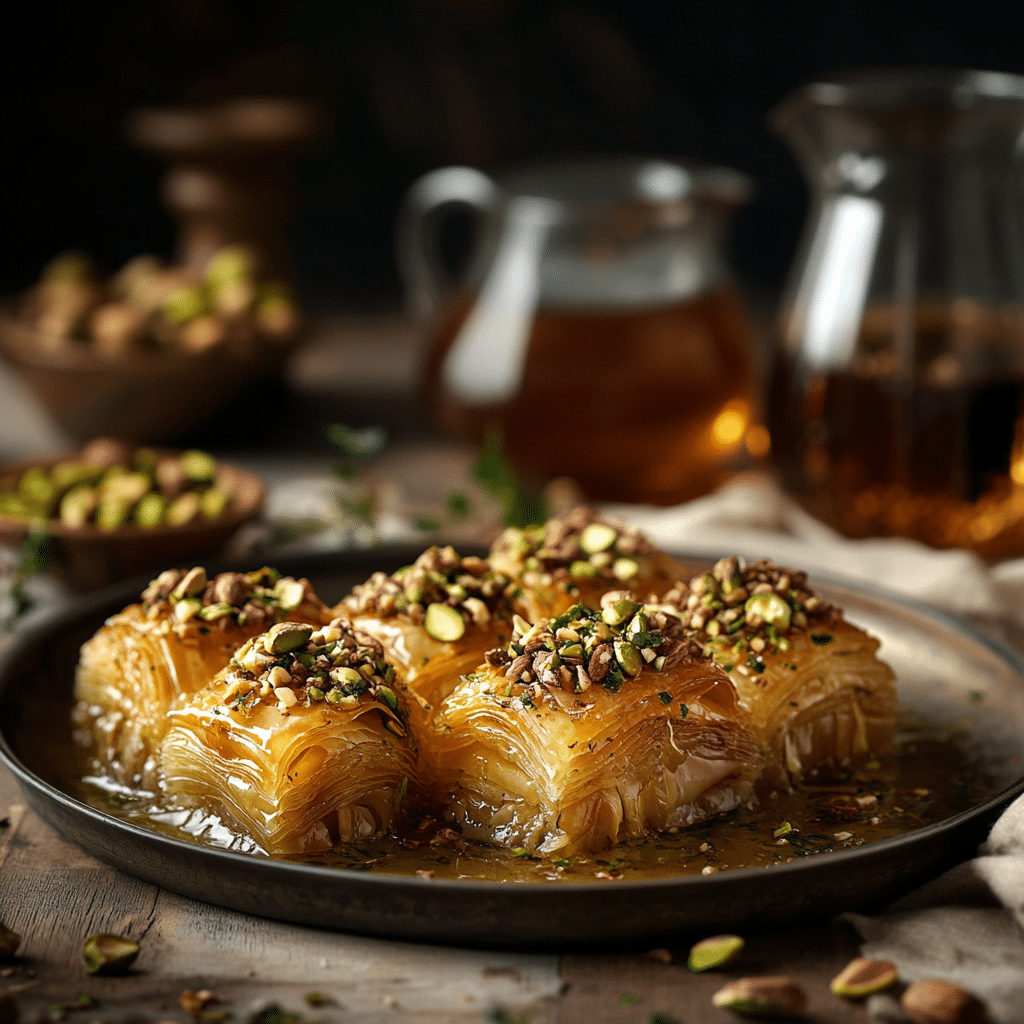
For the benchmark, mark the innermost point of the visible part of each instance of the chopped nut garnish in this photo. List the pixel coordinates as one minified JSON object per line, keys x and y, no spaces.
{"x":336,"y":665}
{"x":758,"y":604}
{"x":438,"y":585}
{"x":578,"y":545}
{"x":555,"y":659}
{"x":255,"y":599}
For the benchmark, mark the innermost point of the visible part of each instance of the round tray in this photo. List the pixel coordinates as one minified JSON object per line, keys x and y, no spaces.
{"x":942,"y":665}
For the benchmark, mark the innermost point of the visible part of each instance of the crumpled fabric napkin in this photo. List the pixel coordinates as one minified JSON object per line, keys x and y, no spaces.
{"x":966,"y":927}
{"x":751,"y":516}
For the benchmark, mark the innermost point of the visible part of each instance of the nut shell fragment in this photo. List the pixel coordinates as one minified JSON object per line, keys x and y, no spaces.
{"x":109,"y":954}
{"x":864,"y":977}
{"x":716,"y":951}
{"x":933,"y":1001}
{"x":770,"y":997}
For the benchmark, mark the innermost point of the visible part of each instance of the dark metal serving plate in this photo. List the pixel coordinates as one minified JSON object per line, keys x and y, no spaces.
{"x":940,"y":661}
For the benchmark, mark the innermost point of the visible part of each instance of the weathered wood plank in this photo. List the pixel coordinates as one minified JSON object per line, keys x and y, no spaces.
{"x":54,"y":895}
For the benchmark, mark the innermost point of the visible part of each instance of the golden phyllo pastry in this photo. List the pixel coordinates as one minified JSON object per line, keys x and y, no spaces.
{"x":590,"y":728}
{"x":576,"y":558}
{"x":299,"y":744}
{"x":820,"y":699}
{"x":435,"y":619}
{"x":146,"y":659}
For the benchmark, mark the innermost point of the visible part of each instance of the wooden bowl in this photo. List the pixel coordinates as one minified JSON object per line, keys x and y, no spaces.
{"x":141,"y":397}
{"x":88,"y":557}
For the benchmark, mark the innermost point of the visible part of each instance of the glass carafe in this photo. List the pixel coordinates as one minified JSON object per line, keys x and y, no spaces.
{"x":596,"y":327}
{"x":897,"y":397}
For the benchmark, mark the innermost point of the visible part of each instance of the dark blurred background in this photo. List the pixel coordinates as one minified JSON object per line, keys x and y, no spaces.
{"x":408,"y":85}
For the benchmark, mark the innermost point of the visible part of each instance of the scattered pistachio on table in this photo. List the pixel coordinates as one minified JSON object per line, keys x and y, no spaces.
{"x":863,"y":977}
{"x":109,"y":954}
{"x":933,"y":1001}
{"x":769,"y":996}
{"x":716,"y":951}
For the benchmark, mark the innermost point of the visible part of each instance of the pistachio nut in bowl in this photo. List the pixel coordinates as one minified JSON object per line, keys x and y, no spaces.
{"x":114,"y":510}
{"x":152,"y":351}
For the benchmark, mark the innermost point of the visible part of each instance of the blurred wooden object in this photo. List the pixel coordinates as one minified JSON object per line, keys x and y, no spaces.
{"x":144,"y":397}
{"x":230,"y":180}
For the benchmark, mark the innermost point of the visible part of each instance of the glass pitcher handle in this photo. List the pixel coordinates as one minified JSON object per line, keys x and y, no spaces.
{"x":418,"y":259}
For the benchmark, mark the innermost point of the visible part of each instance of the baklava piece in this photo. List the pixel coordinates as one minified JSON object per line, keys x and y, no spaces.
{"x":820,"y":699}
{"x":575,"y":558}
{"x":149,"y":657}
{"x":299,"y":744}
{"x":587,"y":729}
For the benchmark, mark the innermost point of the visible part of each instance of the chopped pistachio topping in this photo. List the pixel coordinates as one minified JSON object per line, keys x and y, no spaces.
{"x":748,"y":607}
{"x":255,"y":599}
{"x":554,"y":659}
{"x":438,"y":587}
{"x":579,"y":545}
{"x":299,"y":665}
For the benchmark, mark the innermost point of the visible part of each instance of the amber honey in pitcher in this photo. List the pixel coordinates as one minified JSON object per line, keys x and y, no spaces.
{"x":933,"y":451}
{"x":645,"y":404}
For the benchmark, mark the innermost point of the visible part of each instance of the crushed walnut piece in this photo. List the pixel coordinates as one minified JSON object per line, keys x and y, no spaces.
{"x":556,"y":659}
{"x":440,"y":576}
{"x":299,"y":665}
{"x":246,"y":599}
{"x":578,"y":545}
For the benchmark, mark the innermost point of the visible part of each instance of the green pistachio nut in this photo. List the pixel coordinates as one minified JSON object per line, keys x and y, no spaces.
{"x":286,"y":636}
{"x":444,"y":623}
{"x":768,"y":609}
{"x":150,"y":510}
{"x":597,"y":537}
{"x":213,"y":502}
{"x":716,"y":951}
{"x":628,"y":657}
{"x":183,"y":509}
{"x":78,"y":505}
{"x":109,"y":954}
{"x":198,"y":466}
{"x":768,"y":996}
{"x":289,"y":594}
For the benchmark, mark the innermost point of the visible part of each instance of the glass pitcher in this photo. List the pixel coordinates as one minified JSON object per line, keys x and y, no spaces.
{"x":596,"y":325}
{"x":897,"y":398}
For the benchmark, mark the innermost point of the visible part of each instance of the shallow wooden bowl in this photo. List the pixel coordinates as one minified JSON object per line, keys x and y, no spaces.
{"x":88,"y":557}
{"x":142,"y":397}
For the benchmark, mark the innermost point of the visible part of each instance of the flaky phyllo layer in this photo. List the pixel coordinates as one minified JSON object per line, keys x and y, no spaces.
{"x":154,"y":655}
{"x":564,"y":694}
{"x":299,"y":743}
{"x":590,"y":728}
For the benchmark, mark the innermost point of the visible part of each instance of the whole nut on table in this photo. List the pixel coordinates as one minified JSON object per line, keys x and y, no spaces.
{"x":933,"y":1001}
